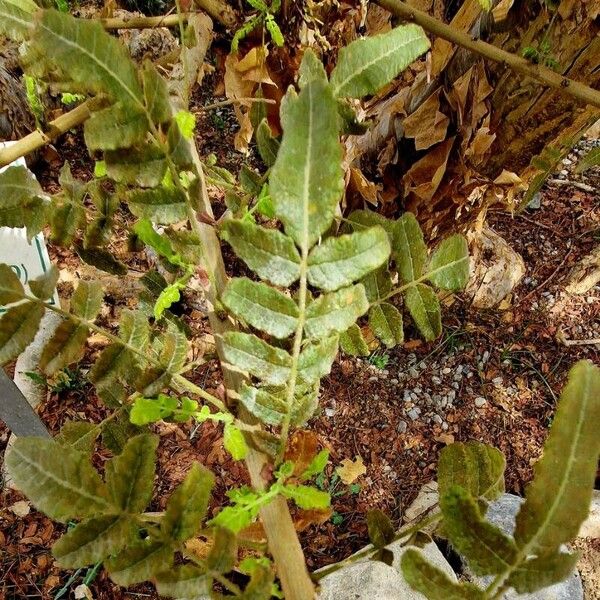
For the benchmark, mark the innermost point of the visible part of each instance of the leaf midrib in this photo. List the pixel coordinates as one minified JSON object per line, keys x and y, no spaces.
{"x":366,"y":66}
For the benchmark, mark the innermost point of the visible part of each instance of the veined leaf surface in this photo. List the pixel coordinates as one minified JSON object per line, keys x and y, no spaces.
{"x":335,"y":312}
{"x":59,"y":480}
{"x":268,"y":252}
{"x":18,"y":326}
{"x":387,"y":324}
{"x":261,"y":306}
{"x":367,"y":64}
{"x":558,"y":499}
{"x":339,"y":261}
{"x":424,"y":308}
{"x":306,"y":180}
{"x":449,"y":264}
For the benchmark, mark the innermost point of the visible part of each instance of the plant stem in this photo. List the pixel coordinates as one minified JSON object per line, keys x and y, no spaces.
{"x":297,"y":347}
{"x":38,"y":139}
{"x":517,"y":63}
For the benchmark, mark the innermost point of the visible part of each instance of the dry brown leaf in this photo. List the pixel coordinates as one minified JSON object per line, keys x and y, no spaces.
{"x":425,"y":176}
{"x":305,"y":518}
{"x":350,"y":470}
{"x":301,"y":449}
{"x":368,"y":190}
{"x":427,"y":125}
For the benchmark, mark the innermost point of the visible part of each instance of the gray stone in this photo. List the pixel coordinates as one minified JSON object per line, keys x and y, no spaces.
{"x":402,"y":427}
{"x":480,"y":401}
{"x":373,"y":580}
{"x":413,"y":414}
{"x":591,"y":526}
{"x":502,"y":513}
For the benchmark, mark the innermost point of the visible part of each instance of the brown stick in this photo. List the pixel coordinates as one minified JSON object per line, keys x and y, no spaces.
{"x":38,"y":139}
{"x":217,"y":10}
{"x":517,"y":63}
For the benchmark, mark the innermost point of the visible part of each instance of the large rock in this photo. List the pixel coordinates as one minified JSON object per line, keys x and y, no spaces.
{"x":502,"y":513}
{"x":374,"y":580}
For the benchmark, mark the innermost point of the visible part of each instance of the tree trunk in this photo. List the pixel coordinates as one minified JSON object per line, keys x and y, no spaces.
{"x":468,"y":129}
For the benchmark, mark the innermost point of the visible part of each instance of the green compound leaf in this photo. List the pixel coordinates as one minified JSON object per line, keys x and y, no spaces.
{"x":130,"y":475}
{"x":335,"y":312}
{"x":160,"y":205}
{"x":261,"y":586}
{"x":59,"y":480}
{"x":66,"y":218}
{"x":118,"y":358}
{"x":101,"y":259}
{"x":311,"y":68}
{"x":449,"y":264}
{"x":156,"y":94}
{"x":21,"y":203}
{"x":366,"y":65}
{"x":186,"y":581}
{"x":339,"y":261}
{"x":139,"y":562}
{"x":306,"y":180}
{"x":249,"y":353}
{"x":11,"y":289}
{"x":16,"y":20}
{"x":167,"y":297}
{"x":88,"y":55}
{"x":558,"y":499}
{"x":537,"y":573}
{"x":66,"y":346}
{"x":18,"y":327}
{"x":151,"y":410}
{"x":381,"y":530}
{"x":315,"y":360}
{"x":268,"y":252}
{"x":410,"y":251}
{"x":187,"y":505}
{"x":81,"y":435}
{"x":87,"y":300}
{"x":223,"y":553}
{"x":378,"y":284}
{"x":267,"y":407}
{"x":591,"y":159}
{"x":268,"y":145}
{"x":179,"y":147}
{"x":143,"y":167}
{"x":475,"y":467}
{"x":42,"y":287}
{"x":172,"y":352}
{"x":353,"y":343}
{"x":359,"y":220}
{"x":317,"y":465}
{"x":307,"y":497}
{"x":186,"y":122}
{"x":160,"y":243}
{"x":116,"y":127}
{"x":274,"y":30}
{"x":93,"y":540}
{"x":433,"y":583}
{"x":261,"y":306}
{"x":487,"y":549}
{"x":386,"y":322}
{"x":424,"y":308}
{"x":234,"y":442}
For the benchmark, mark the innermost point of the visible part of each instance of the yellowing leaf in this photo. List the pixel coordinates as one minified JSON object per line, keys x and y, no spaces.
{"x":350,"y":470}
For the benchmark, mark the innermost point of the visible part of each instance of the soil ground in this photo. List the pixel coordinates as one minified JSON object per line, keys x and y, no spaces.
{"x":494,"y":376}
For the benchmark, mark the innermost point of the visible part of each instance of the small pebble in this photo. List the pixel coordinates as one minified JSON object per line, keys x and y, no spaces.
{"x":445,"y":426}
{"x":436,"y":380}
{"x":413,"y":414}
{"x":394,"y":381}
{"x":413,"y":372}
{"x":402,"y":427}
{"x":497,"y":381}
{"x":437,"y":419}
{"x":329,"y":412}
{"x":406,"y":396}
{"x":446,"y":370}
{"x":480,"y":401}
